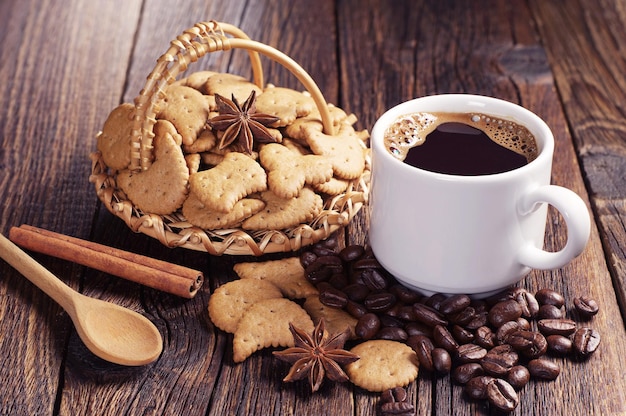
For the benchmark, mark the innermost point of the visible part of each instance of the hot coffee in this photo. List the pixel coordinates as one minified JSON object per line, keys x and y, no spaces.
{"x":466,"y":144}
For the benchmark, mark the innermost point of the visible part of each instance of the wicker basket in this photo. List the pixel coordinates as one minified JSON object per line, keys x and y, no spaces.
{"x":174,"y":230}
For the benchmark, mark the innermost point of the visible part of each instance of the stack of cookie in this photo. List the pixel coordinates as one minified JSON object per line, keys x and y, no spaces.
{"x":229,"y":155}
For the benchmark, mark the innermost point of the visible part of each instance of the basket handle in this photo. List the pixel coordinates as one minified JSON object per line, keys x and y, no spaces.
{"x":194,"y":43}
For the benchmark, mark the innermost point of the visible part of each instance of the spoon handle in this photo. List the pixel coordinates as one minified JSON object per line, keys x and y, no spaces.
{"x":37,"y":274}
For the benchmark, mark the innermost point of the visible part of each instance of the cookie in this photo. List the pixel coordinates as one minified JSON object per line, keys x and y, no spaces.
{"x":266,"y":324}
{"x":197,"y":80}
{"x":334,"y":186}
{"x":161,"y":127}
{"x":187,"y":109}
{"x":284,"y":103}
{"x":205,"y":142}
{"x":289,"y":171}
{"x":114,"y":140}
{"x":384,"y":364}
{"x":235,"y":177}
{"x":199,"y":215}
{"x":228,"y":85}
{"x":162,"y":188}
{"x":280,"y":213}
{"x":228,"y":302}
{"x":336,"y":320}
{"x":287,"y":274}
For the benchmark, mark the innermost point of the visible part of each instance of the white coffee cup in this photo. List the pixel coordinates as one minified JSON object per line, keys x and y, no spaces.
{"x":447,"y":233}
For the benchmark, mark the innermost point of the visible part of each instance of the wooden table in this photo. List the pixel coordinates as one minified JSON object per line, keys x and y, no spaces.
{"x":65,"y":65}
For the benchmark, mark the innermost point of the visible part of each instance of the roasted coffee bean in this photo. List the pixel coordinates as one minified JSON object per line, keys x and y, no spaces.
{"x":556,"y":326}
{"x":503,"y":333}
{"x":518,"y":376}
{"x":356,"y":292}
{"x":322,"y":251}
{"x":374,"y":279}
{"x":418,"y":328}
{"x":454,"y":304}
{"x":499,"y":360}
{"x":390,"y":321}
{"x":330,"y":242}
{"x":550,"y":312}
{"x":559,"y":344}
{"x":307,"y":258}
{"x":406,"y":313}
{"x":394,"y":311}
{"x":502,"y":296}
{"x":351,"y":253}
{"x":479,"y":305}
{"x":355,"y":309}
{"x":367,"y":326}
{"x":423,"y":347}
{"x":442,"y":360}
{"x":503,"y":312}
{"x":479,"y":319}
{"x":379,"y":302}
{"x":397,"y":409}
{"x":428,"y":315}
{"x":462,"y":335}
{"x":528,"y":303}
{"x":396,"y":394}
{"x":530,"y":343}
{"x":476,"y":388}
{"x":317,"y":274}
{"x":435,"y":300}
{"x":543,"y":369}
{"x":586,"y":307}
{"x":366,"y":263}
{"x":485,"y":337}
{"x":550,"y":297}
{"x":331,"y":296}
{"x":463,"y":317}
{"x":586,"y":341}
{"x":502,"y":395}
{"x":404,"y":294}
{"x":465,"y":372}
{"x":392,"y":333}
{"x":470,"y":353}
{"x":444,"y":339}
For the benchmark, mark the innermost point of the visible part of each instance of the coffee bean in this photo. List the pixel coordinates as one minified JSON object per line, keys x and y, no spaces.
{"x":379,"y":302}
{"x":397,"y":409}
{"x":463,"y":317}
{"x":392,"y":333}
{"x":356,"y":292}
{"x":550,"y":312}
{"x":404,"y":294}
{"x":423,"y":348}
{"x":528,"y":302}
{"x":550,"y":297}
{"x":586,"y":341}
{"x":454,"y":304}
{"x":435,"y":300}
{"x":499,"y":360}
{"x":518,"y":377}
{"x":406,"y":313}
{"x":307,"y":258}
{"x":366,"y":263}
{"x":559,"y":344}
{"x":532,"y":344}
{"x":333,"y":297}
{"x":442,"y":361}
{"x":355,"y":309}
{"x":428,"y":315}
{"x":418,"y":328}
{"x":485,"y":337}
{"x":462,"y":335}
{"x":544,"y":369}
{"x":390,"y":321}
{"x":396,"y":394}
{"x":351,"y":253}
{"x":503,"y":312}
{"x":367,"y":326}
{"x":480,"y":319}
{"x":556,"y":326}
{"x":523,"y":324}
{"x":503,"y":333}
{"x":502,"y":395}
{"x":323,"y":251}
{"x":338,"y":280}
{"x":465,"y":372}
{"x":470,"y":353}
{"x":444,"y":339}
{"x":374,"y":279}
{"x":476,"y":388}
{"x":586,"y":307}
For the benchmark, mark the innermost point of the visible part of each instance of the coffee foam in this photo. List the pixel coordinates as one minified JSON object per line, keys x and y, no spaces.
{"x":411,"y":130}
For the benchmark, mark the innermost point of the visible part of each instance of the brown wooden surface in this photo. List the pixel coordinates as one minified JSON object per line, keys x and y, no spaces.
{"x":65,"y":65}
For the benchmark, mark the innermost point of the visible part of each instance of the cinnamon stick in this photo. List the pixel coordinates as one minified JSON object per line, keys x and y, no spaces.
{"x":154,"y":273}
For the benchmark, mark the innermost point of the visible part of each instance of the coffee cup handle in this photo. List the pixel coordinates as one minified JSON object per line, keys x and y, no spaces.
{"x":576,"y":215}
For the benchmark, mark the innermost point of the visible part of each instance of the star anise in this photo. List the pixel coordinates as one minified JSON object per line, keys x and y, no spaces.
{"x":317,"y":355}
{"x":241,"y":123}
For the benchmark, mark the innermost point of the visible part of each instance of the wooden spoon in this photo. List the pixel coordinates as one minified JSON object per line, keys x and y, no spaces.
{"x":111,"y":332}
